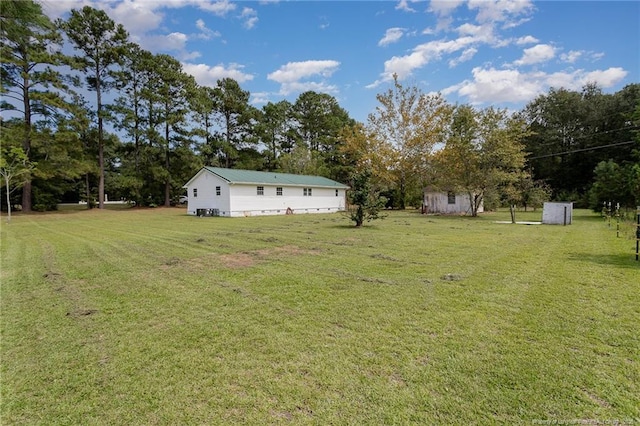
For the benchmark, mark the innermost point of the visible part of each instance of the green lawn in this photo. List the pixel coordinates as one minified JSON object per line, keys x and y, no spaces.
{"x":126,"y":317}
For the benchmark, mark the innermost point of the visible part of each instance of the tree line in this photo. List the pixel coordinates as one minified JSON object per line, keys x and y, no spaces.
{"x":117,"y":120}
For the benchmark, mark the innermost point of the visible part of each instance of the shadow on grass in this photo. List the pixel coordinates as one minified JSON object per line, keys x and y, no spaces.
{"x":353,"y":226}
{"x":619,"y":260}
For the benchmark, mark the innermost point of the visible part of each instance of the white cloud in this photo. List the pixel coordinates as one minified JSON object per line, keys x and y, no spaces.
{"x":136,"y":16}
{"x":526,"y":40}
{"x":444,"y":24}
{"x":291,"y":76}
{"x":536,"y":54}
{"x":501,"y":10}
{"x":294,"y":71}
{"x":324,"y":23}
{"x":169,"y":42}
{"x":604,"y":78}
{"x":207,"y":75}
{"x":572,"y":56}
{"x":58,"y":8}
{"x":471,"y":35}
{"x":403,"y":66}
{"x":466,"y":55}
{"x":392,"y":35}
{"x":250,"y":17}
{"x":260,"y":98}
{"x":404,"y":5}
{"x":444,"y":7}
{"x":176,"y":39}
{"x":512,"y":24}
{"x":306,"y":86}
{"x":141,"y":17}
{"x":219,"y":8}
{"x":482,"y":33}
{"x":490,"y":85}
{"x":175,"y":43}
{"x":495,"y":86}
{"x":188,"y":56}
{"x":205,"y":33}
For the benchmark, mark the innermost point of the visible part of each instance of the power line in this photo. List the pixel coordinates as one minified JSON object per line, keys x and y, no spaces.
{"x":581,"y":150}
{"x":586,"y":136}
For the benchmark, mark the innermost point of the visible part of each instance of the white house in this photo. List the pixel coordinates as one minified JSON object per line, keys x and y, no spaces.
{"x":216,"y":191}
{"x":447,"y":202}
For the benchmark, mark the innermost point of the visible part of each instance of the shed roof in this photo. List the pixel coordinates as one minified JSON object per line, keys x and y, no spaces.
{"x":238,"y":176}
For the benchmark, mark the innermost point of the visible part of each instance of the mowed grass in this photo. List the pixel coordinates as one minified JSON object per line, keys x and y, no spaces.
{"x":156,"y":317}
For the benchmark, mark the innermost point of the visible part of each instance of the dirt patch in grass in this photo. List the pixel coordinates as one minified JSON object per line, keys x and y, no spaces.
{"x":246,"y":259}
{"x":451,"y":277}
{"x":385,"y":257}
{"x":82,"y":312}
{"x":69,"y":290}
{"x":596,"y":399}
{"x":237,"y":260}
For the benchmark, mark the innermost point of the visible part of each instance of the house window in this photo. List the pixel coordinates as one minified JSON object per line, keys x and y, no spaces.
{"x":306,"y":192}
{"x":261,"y":190}
{"x":278,"y":190}
{"x":451,"y":197}
{"x":217,"y":190}
{"x":336,"y":192}
{"x":195,"y":192}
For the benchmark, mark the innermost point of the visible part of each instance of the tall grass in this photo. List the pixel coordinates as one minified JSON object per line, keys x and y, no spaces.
{"x":156,"y":317}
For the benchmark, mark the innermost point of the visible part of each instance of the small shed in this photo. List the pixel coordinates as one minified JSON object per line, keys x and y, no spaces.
{"x":216,"y":191}
{"x":557,"y":213}
{"x":447,"y":202}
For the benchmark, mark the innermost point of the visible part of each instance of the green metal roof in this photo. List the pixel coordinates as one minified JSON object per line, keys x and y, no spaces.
{"x":271,"y":178}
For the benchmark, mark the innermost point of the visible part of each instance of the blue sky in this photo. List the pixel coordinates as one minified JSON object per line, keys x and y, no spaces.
{"x":482,"y":52}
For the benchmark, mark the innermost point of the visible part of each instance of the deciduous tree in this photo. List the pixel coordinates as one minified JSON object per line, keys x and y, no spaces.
{"x":483,"y":153}
{"x":14,"y":167}
{"x":412,"y":123}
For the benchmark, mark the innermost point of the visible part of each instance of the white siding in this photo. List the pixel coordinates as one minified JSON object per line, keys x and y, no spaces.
{"x":238,"y":200}
{"x":438,"y":202}
{"x":246,"y":202}
{"x":206,"y":184}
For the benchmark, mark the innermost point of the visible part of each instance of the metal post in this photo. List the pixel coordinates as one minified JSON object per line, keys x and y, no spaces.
{"x":617,"y":220}
{"x":637,"y":233}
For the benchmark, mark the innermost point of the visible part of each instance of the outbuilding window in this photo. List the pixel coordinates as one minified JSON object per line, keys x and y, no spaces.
{"x":217,"y":190}
{"x":451,"y":197}
{"x":279,"y":190}
{"x":261,"y":190}
{"x":195,"y":192}
{"x":306,"y":192}
{"x":337,"y":192}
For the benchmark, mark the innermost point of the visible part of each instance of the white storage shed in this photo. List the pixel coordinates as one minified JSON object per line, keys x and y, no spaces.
{"x":447,"y":202}
{"x":215,"y":191}
{"x":557,"y":213}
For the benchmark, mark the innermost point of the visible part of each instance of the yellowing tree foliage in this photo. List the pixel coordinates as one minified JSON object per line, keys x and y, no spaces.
{"x":483,"y":153}
{"x":411,"y":124}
